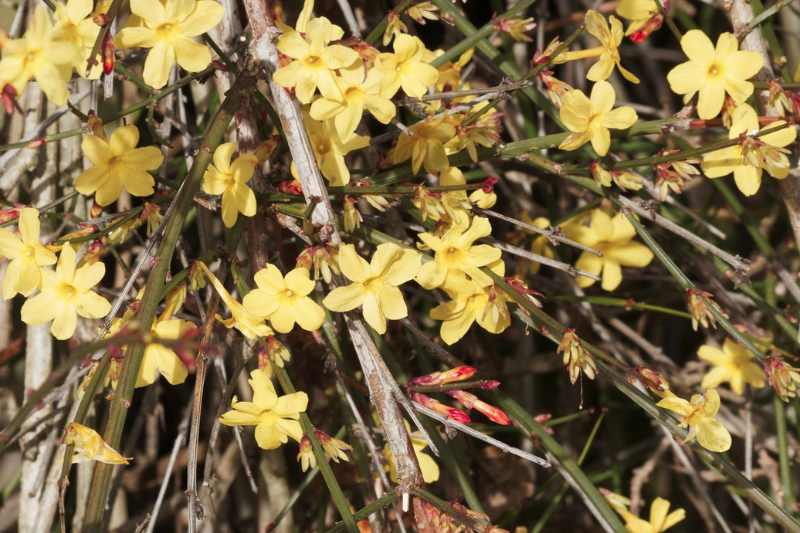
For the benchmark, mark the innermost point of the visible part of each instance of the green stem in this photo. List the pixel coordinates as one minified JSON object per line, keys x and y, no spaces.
{"x":570,"y":468}
{"x":156,"y":280}
{"x":339,"y":499}
{"x":113,"y":118}
{"x":378,"y":30}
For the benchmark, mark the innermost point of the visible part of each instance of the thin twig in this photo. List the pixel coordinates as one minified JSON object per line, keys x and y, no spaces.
{"x":546,"y":261}
{"x":554,"y":235}
{"x":482,"y":436}
{"x":176,"y":448}
{"x":736,"y":262}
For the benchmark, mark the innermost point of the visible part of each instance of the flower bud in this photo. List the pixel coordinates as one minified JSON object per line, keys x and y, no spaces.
{"x":445,"y":410}
{"x":453,"y":375}
{"x":470,"y":401}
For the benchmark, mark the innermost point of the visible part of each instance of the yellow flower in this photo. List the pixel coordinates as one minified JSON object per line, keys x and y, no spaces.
{"x":714,"y":72}
{"x":313,"y":59}
{"x":589,"y":119}
{"x":275,"y":417}
{"x":660,"y":518}
{"x":356,"y":93}
{"x":168,"y":29}
{"x":747,"y":160}
{"x":471,"y":302}
{"x":284,"y":301}
{"x":608,"y":51}
{"x":613,"y":237}
{"x":638,"y":12}
{"x":66,"y":293}
{"x":26,"y":255}
{"x":43,"y":53}
{"x":250,"y":325}
{"x":455,"y":253}
{"x":427,"y":465}
{"x":483,"y":199}
{"x":329,"y":149}
{"x":423,"y":143}
{"x":230,"y":180}
{"x":161,"y":359}
{"x":699,"y":416}
{"x":74,"y":21}
{"x":541,"y":245}
{"x":375,"y":286}
{"x":407,"y":67}
{"x":734,"y":364}
{"x":118,"y":164}
{"x":90,"y":446}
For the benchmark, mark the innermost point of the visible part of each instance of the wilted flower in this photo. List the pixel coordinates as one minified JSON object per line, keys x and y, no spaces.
{"x":335,"y":450}
{"x":654,"y":381}
{"x":516,"y":28}
{"x":576,"y":358}
{"x":700,"y":304}
{"x":88,"y":445}
{"x":423,"y":12}
{"x":351,"y":217}
{"x":429,"y":203}
{"x":673,"y":175}
{"x":624,"y":179}
{"x":783,"y":377}
{"x":320,"y":260}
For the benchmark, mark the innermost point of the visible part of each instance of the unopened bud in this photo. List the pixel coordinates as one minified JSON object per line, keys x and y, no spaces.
{"x":453,"y":375}
{"x":445,"y":410}
{"x":470,"y":401}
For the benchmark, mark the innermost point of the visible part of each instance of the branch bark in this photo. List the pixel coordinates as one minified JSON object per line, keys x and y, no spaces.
{"x":381,"y":384}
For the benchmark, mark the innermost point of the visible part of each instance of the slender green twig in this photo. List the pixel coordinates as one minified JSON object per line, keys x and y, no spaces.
{"x":120,"y":403}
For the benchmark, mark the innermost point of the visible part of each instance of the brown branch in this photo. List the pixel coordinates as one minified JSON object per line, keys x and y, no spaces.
{"x":383,"y":389}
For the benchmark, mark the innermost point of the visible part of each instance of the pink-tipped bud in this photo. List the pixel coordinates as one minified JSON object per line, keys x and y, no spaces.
{"x":453,"y":375}
{"x":452,"y":413}
{"x":9,"y":96}
{"x":108,"y":54}
{"x":470,"y":401}
{"x":489,"y":183}
{"x":489,"y":384}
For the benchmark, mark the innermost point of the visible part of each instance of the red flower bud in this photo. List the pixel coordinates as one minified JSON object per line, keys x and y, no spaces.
{"x":470,"y":401}
{"x":452,"y":413}
{"x":459,"y":373}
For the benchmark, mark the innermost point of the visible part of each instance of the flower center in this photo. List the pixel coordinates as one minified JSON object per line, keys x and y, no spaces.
{"x":452,"y":256}
{"x":66,"y":291}
{"x":166,"y":31}
{"x":353,"y":93}
{"x":28,"y":252}
{"x":323,"y":146}
{"x":313,"y":61}
{"x":714,"y":70}
{"x":373,"y":284}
